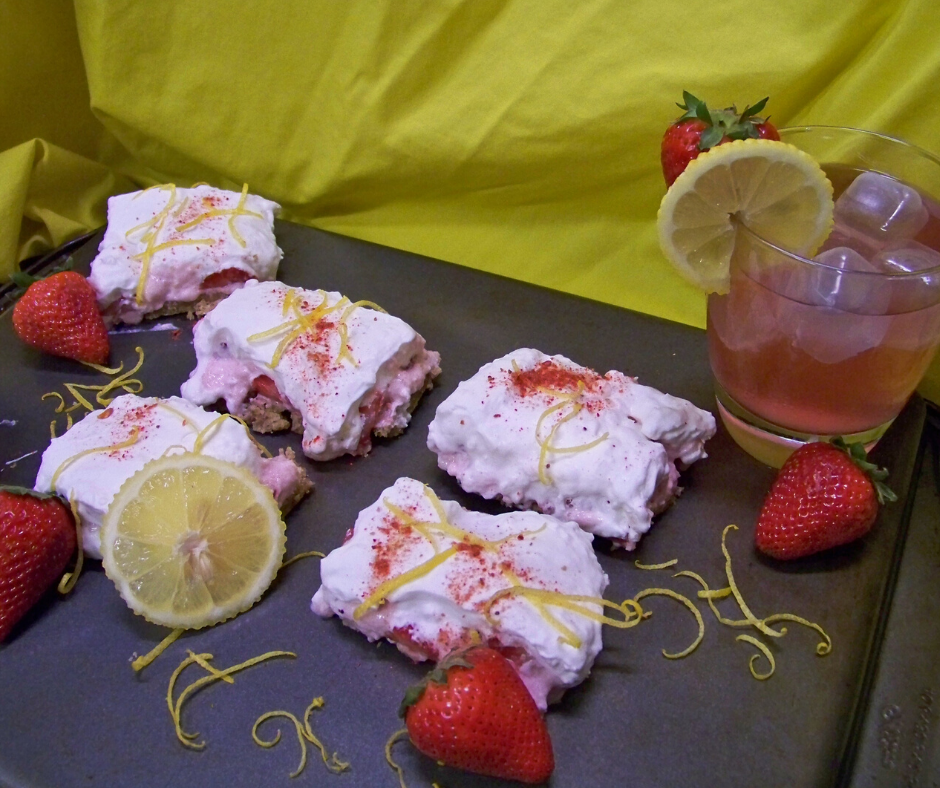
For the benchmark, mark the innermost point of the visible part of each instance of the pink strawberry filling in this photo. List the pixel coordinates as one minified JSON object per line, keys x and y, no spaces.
{"x":282,"y":475}
{"x":266,"y":387}
{"x":225,"y":278}
{"x":218,"y":284}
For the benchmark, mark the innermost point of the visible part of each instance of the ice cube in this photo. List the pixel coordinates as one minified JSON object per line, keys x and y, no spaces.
{"x":844,"y":258}
{"x":846,"y":237}
{"x":911,"y":293}
{"x":753,"y":324}
{"x":843,"y":282}
{"x":907,"y":257}
{"x":831,"y":336}
{"x":882,"y":209}
{"x":827,"y":310}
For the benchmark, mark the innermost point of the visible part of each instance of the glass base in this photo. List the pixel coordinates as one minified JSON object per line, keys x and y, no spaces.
{"x":770,"y":444}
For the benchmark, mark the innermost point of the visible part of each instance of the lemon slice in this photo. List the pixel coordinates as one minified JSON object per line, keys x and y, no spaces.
{"x":777,"y":190}
{"x":190,"y":540}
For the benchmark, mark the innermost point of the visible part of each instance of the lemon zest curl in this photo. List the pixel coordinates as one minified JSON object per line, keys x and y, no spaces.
{"x":303,"y":323}
{"x":690,"y":605}
{"x":120,"y":380}
{"x":765,"y":651}
{"x":763,"y":625}
{"x":664,"y":565}
{"x":203,"y":435}
{"x":176,"y":706}
{"x":125,"y":444}
{"x":308,"y":554}
{"x":69,"y":579}
{"x":392,"y":584}
{"x":152,"y":228}
{"x":539,"y":598}
{"x":546,"y":444}
{"x":232,"y":213}
{"x":755,"y":622}
{"x":304,"y":734}
{"x":143,"y":661}
{"x":392,"y":741}
{"x":630,"y":608}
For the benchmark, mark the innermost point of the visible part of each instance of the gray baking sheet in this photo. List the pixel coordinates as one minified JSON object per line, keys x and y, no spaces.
{"x":73,"y":713}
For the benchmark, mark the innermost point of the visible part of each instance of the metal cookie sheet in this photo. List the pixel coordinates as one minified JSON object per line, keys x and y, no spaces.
{"x":73,"y":713}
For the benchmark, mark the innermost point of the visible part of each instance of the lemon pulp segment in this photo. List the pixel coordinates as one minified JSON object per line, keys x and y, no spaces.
{"x":190,"y":540}
{"x":775,"y":189}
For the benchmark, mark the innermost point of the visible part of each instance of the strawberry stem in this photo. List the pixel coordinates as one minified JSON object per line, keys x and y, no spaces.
{"x":15,"y":490}
{"x":23,"y":280}
{"x":722,"y":124}
{"x":749,"y":111}
{"x":859,"y":456}
{"x":438,"y":675}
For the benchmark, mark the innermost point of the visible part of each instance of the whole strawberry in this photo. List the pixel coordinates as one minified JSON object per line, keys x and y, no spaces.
{"x":37,"y":540}
{"x":473,"y":712}
{"x":59,"y":315}
{"x":826,"y":494}
{"x":700,"y":129}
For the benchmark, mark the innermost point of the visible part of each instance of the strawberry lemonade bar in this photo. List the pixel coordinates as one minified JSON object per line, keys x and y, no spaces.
{"x":313,"y":361}
{"x":90,"y":462}
{"x":168,"y":251}
{"x":432,"y":577}
{"x":541,"y":431}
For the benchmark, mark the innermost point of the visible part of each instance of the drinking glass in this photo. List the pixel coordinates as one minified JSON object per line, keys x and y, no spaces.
{"x":805,"y":349}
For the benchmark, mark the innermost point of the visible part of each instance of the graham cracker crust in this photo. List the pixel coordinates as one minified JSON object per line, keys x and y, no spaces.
{"x":304,"y":485}
{"x":265,"y":415}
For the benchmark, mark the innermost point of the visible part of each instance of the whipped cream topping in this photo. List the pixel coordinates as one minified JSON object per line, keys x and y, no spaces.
{"x":347,"y":371}
{"x":160,"y":426}
{"x":601,"y":450}
{"x":179,"y":239}
{"x":437,"y":611}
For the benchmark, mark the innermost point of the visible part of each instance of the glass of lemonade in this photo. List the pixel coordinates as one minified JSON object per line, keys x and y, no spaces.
{"x":834,"y":345}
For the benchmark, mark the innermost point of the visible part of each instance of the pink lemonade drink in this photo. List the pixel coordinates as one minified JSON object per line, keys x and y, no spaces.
{"x":835,"y":345}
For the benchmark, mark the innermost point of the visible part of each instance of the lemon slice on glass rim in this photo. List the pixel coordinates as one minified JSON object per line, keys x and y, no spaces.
{"x":775,"y":189}
{"x":190,"y":540}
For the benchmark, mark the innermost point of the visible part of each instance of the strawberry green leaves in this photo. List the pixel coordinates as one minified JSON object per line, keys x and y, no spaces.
{"x":724,"y":124}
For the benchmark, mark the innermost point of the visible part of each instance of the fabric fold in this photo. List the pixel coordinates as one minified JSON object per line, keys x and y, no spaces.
{"x":50,"y":196}
{"x":509,"y":136}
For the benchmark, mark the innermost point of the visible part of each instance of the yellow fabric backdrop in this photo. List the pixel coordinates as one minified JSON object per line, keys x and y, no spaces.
{"x":519,"y":137}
